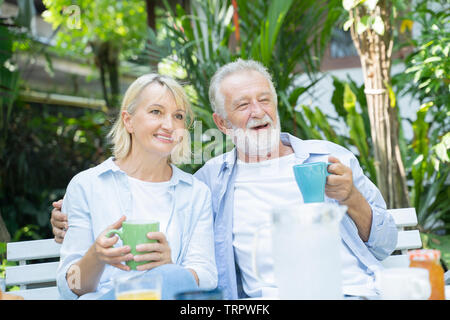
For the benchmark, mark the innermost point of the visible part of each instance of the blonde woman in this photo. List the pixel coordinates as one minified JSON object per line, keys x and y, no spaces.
{"x":140,"y":182}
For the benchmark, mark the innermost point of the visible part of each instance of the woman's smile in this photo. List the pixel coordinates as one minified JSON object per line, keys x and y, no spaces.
{"x":164,"y":138}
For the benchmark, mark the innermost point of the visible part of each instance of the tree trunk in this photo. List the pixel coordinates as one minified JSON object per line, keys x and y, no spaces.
{"x":113,"y":73}
{"x":375,"y":54}
{"x":151,"y":17}
{"x":4,"y":234}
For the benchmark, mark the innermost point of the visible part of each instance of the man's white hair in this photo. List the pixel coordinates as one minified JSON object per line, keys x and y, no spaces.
{"x":216,"y":97}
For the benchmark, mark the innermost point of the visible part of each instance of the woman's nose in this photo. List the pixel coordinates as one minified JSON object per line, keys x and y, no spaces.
{"x":167,"y":123}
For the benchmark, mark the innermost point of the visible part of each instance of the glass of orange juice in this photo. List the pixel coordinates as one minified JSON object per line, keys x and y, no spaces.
{"x":141,"y":287}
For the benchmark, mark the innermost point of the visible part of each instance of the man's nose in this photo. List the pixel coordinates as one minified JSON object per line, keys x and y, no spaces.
{"x":256,"y":110}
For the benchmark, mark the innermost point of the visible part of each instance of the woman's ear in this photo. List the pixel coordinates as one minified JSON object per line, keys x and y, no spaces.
{"x":126,"y":118}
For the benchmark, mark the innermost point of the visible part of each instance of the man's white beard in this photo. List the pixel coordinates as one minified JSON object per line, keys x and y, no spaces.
{"x":257,"y":142}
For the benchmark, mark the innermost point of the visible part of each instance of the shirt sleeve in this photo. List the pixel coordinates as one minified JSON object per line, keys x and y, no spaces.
{"x":79,"y":236}
{"x":200,"y":253}
{"x":383,"y":232}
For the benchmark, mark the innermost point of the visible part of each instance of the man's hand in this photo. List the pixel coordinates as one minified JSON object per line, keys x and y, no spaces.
{"x":340,"y":183}
{"x":58,"y":221}
{"x":340,"y":187}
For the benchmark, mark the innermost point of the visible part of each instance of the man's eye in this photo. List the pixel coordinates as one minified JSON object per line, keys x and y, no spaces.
{"x":242,"y":104}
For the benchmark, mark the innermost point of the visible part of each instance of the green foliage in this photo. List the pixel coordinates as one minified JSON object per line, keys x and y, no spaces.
{"x":427,"y":70}
{"x":350,"y":104}
{"x":120,"y":22}
{"x":45,"y":148}
{"x":429,"y":172}
{"x":108,"y":31}
{"x":4,"y":262}
{"x":369,"y":17}
{"x":441,"y":243}
{"x":270,"y":32}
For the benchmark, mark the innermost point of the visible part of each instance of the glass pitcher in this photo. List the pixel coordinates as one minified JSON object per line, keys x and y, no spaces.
{"x":306,"y":251}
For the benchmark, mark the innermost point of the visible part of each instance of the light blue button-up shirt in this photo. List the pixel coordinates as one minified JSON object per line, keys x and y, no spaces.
{"x":219,"y":174}
{"x":97,"y":197}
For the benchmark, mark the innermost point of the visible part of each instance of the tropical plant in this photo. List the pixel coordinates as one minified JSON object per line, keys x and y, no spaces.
{"x":280,"y":34}
{"x":430,"y":172}
{"x":12,"y":32}
{"x":350,"y":104}
{"x":427,"y":72}
{"x":426,"y":78}
{"x":371,"y":25}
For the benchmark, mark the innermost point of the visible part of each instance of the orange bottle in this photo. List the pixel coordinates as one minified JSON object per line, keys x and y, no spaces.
{"x":429,"y":259}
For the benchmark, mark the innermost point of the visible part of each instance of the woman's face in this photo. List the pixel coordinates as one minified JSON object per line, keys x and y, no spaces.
{"x":158,"y":124}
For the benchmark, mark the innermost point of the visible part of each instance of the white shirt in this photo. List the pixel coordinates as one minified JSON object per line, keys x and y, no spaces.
{"x":355,"y":281}
{"x":97,"y":197}
{"x":151,"y":200}
{"x":259,"y":187}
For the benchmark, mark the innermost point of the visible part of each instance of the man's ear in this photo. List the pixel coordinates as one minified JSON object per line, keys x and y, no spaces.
{"x":126,"y":119}
{"x":221,"y":123}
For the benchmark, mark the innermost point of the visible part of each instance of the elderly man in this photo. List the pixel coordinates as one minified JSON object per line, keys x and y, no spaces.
{"x":256,"y":176}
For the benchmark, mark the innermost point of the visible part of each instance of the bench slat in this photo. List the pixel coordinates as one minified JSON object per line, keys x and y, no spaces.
{"x":399,"y":261}
{"x":405,"y":217}
{"x":49,"y":293}
{"x":32,"y":273}
{"x":409,"y":239}
{"x":30,"y":250}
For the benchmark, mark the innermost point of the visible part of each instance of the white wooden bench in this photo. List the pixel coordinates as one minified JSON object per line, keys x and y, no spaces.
{"x":37,"y":281}
{"x":407,"y":239}
{"x":34,"y":279}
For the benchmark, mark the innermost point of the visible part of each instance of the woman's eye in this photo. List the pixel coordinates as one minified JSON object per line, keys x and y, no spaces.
{"x":179,"y":116}
{"x":155,"y":112}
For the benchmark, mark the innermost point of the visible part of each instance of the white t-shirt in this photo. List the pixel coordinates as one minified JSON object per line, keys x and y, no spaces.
{"x":151,"y":201}
{"x":260,"y":187}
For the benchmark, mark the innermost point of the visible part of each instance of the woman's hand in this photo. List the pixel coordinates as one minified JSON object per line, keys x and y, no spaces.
{"x":157,"y":254}
{"x":106,"y":254}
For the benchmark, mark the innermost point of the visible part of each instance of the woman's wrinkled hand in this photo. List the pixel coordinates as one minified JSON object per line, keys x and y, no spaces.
{"x":157,"y":254}
{"x":107,"y":254}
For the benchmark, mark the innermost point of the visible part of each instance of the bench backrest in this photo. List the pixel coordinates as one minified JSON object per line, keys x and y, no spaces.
{"x":407,"y":239}
{"x":36,"y":280}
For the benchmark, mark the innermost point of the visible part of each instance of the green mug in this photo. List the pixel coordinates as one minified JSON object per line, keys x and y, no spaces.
{"x":133,"y":233}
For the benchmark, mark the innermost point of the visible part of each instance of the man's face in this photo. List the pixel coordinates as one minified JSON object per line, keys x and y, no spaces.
{"x":252,"y":119}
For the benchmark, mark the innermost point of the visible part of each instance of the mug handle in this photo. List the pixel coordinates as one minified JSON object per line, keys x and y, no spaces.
{"x":114,"y":231}
{"x":326,"y":169}
{"x":254,"y":252}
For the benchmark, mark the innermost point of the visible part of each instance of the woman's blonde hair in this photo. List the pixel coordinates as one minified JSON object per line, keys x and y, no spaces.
{"x":121,"y":138}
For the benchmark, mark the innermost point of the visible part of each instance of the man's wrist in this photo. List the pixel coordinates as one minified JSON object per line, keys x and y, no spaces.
{"x":350,"y":198}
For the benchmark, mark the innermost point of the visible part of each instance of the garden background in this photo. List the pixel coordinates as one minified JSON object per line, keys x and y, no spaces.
{"x":64,"y":66}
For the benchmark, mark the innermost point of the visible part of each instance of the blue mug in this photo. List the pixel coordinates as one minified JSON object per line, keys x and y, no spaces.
{"x":311,"y":179}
